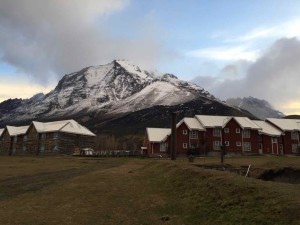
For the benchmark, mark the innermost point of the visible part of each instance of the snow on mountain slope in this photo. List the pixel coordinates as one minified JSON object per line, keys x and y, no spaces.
{"x":117,"y":87}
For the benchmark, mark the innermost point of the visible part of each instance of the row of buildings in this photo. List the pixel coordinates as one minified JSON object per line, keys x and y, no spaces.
{"x":65,"y":137}
{"x":206,"y":135}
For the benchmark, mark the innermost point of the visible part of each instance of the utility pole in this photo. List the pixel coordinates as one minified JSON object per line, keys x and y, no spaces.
{"x":173,"y":136}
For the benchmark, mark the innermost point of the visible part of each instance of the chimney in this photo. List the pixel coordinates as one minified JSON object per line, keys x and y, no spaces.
{"x":173,"y":137}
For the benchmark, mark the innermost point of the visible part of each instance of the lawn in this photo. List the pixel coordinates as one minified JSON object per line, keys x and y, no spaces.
{"x":71,"y":190}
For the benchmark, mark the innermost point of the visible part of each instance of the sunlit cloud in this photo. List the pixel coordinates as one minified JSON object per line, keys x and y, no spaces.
{"x":226,"y":53}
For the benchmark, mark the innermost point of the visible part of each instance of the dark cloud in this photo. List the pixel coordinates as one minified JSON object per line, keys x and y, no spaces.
{"x":53,"y":37}
{"x":275,"y":76}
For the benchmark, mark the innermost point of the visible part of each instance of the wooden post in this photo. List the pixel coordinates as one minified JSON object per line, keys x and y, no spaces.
{"x":173,"y":137}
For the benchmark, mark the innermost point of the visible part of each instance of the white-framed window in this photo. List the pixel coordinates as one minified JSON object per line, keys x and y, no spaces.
{"x":237,"y":130}
{"x":184,"y":132}
{"x":217,"y":145}
{"x":43,"y":136}
{"x":260,"y":146}
{"x":238,"y":143}
{"x":226,"y":130}
{"x":163,"y":146}
{"x":194,"y":134}
{"x":295,"y":148}
{"x":227,"y":143}
{"x":294,"y":135}
{"x":217,"y":132}
{"x":55,"y":135}
{"x":247,"y":146}
{"x":246,"y":133}
{"x":42,"y":148}
{"x":184,"y":145}
{"x":54,"y":148}
{"x":274,"y":140}
{"x":25,"y":137}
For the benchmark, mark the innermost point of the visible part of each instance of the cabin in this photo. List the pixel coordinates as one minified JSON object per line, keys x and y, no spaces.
{"x":269,"y":139}
{"x":12,"y":140}
{"x":290,"y":129}
{"x":61,"y":137}
{"x":156,"y":142}
{"x":190,"y":137}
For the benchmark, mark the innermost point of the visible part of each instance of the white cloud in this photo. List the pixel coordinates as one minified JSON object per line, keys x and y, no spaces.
{"x":228,"y":53}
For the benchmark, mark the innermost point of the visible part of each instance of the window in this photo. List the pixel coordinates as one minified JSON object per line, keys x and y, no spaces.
{"x":238,"y":143}
{"x":226,"y":143}
{"x":237,"y":130}
{"x":217,"y":145}
{"x":194,"y":134}
{"x":184,"y":132}
{"x":25,"y":138}
{"x":274,"y":140}
{"x":217,"y":132}
{"x":246,"y":133}
{"x":54,"y":148}
{"x":260,"y":146}
{"x":226,"y":130}
{"x":43,"y":136}
{"x":55,"y":135}
{"x":194,"y":145}
{"x":295,"y":148}
{"x":247,"y":146}
{"x":184,"y":145}
{"x":42,"y":148}
{"x":294,"y":135}
{"x":163,"y":147}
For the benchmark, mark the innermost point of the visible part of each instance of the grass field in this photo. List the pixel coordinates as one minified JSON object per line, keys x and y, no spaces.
{"x":71,"y":190}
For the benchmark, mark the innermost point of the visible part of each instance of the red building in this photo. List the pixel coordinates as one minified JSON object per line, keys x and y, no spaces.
{"x":270,"y":139}
{"x":290,"y":139}
{"x":156,"y":142}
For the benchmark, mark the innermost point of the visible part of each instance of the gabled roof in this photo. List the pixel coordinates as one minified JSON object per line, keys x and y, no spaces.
{"x":15,"y":131}
{"x":246,"y":123}
{"x":267,"y":128}
{"x":66,"y":126}
{"x":192,"y":124}
{"x":285,"y":124}
{"x":212,"y":121}
{"x":157,"y":134}
{"x":1,"y":131}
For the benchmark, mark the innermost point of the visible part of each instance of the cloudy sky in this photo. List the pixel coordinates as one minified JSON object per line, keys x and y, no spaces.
{"x":231,"y":48}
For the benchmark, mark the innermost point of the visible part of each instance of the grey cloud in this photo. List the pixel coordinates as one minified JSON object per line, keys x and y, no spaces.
{"x":52,"y":37}
{"x":275,"y":76}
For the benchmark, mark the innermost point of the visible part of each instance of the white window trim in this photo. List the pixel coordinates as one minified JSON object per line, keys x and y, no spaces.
{"x":184,"y":145}
{"x":247,"y":150}
{"x":237,"y":130}
{"x":193,"y":134}
{"x":184,"y":132}
{"x":246,"y":133}
{"x":217,"y":146}
{"x":238,"y":143}
{"x":217,"y":132}
{"x":227,"y":143}
{"x":163,"y":146}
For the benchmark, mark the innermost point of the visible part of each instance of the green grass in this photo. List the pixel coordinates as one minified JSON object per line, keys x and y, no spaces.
{"x":70,"y":190}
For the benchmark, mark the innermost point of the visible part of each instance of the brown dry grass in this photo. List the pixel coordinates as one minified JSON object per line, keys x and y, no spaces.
{"x":68,"y":190}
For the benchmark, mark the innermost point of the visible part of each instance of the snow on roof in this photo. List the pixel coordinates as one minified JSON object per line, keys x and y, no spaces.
{"x":192,"y":124}
{"x":66,"y":126}
{"x":213,"y":121}
{"x":158,"y":134}
{"x":1,"y":131}
{"x":268,"y":128}
{"x":15,"y":131}
{"x":245,"y":122}
{"x":285,"y":124}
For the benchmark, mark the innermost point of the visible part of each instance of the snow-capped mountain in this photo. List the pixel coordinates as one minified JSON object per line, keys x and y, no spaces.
{"x":258,"y":107}
{"x":105,"y":90}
